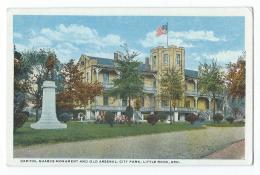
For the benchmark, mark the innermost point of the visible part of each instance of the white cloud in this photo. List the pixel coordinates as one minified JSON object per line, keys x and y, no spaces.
{"x":224,"y":56}
{"x":197,"y":35}
{"x":80,"y":34}
{"x":66,"y":41}
{"x":152,"y":40}
{"x":65,"y":51}
{"x":183,"y":39}
{"x":39,"y":41}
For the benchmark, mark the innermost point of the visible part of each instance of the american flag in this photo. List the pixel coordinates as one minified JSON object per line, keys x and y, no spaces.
{"x":161,"y":30}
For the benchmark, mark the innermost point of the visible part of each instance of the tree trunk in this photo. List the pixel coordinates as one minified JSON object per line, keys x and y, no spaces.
{"x":171,"y":120}
{"x":129,"y":101}
{"x":129,"y":117}
{"x":214,"y":102}
{"x":174,"y":113}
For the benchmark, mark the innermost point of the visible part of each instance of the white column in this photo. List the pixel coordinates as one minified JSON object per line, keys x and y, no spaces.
{"x":96,"y":114}
{"x":97,"y":70}
{"x":209,"y":98}
{"x":88,"y":114}
{"x":176,"y":114}
{"x":182,"y":117}
{"x":196,"y":85}
{"x":196,"y":102}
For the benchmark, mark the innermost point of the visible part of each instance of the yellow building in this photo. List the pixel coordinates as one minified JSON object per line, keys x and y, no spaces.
{"x":103,"y":70}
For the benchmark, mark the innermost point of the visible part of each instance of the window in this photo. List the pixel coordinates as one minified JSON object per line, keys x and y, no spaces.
{"x":187,"y":104}
{"x":154,"y":83}
{"x":82,"y":63}
{"x":178,"y":59}
{"x":105,"y":100}
{"x":165,"y":59}
{"x":106,"y":78}
{"x":87,"y":77}
{"x":165,"y":103}
{"x":154,"y":60}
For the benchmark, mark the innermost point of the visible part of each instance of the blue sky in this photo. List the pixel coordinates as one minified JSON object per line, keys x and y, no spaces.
{"x":204,"y":38}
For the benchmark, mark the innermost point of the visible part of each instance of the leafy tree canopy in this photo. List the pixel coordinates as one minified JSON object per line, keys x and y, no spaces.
{"x":236,"y":76}
{"x":129,"y":83}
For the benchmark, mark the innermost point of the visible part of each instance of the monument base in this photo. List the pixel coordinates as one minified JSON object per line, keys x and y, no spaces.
{"x":48,"y":118}
{"x":48,"y":125}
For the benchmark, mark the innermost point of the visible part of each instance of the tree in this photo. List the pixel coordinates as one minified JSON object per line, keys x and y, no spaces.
{"x":72,"y":77}
{"x":236,"y":78}
{"x":86,"y":93}
{"x":21,"y":88}
{"x":76,"y":92}
{"x":171,"y":88}
{"x":236,"y":85}
{"x":35,"y":61}
{"x":211,"y":80}
{"x":129,"y":83}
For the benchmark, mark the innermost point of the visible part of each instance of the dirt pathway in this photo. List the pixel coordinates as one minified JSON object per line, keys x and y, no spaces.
{"x":193,"y":144}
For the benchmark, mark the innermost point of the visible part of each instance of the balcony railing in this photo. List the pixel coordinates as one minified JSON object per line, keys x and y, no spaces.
{"x":147,"y":109}
{"x":179,"y":109}
{"x":199,"y":94}
{"x":149,"y":90}
{"x":108,"y":108}
{"x":191,"y":93}
{"x":143,"y":109}
{"x":107,"y":85}
{"x":146,"y":89}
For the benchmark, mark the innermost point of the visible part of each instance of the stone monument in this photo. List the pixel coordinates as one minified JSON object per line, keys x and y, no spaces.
{"x":48,"y":118}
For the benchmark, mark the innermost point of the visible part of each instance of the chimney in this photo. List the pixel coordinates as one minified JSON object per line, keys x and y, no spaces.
{"x":116,"y":56}
{"x":147,"y":65}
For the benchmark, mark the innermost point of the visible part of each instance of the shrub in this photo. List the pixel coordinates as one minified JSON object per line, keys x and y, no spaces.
{"x":218,"y":118}
{"x":230,"y":119}
{"x":191,"y":118}
{"x":65,"y":117}
{"x":162,"y":116}
{"x":19,"y":119}
{"x":20,"y":116}
{"x":109,"y":118}
{"x":152,"y":119}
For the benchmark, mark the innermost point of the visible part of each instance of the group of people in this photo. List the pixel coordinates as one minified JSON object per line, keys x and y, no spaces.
{"x":118,"y":119}
{"x":121,"y":119}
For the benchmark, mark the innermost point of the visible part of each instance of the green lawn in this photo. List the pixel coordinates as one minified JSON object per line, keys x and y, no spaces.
{"x":226,"y":124}
{"x":77,"y":131}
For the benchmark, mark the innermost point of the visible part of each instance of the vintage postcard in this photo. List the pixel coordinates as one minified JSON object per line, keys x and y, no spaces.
{"x":130,"y":86}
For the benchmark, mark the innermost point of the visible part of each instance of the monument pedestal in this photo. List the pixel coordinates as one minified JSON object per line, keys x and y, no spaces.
{"x":48,"y":118}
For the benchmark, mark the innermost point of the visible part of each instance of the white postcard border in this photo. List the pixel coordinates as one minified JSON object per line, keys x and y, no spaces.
{"x":219,"y":11}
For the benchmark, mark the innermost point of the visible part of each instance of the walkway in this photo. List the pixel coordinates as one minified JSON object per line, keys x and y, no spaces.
{"x":193,"y":144}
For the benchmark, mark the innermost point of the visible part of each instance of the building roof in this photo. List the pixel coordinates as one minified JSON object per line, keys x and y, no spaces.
{"x":103,"y":61}
{"x":110,"y":62}
{"x":191,"y":73}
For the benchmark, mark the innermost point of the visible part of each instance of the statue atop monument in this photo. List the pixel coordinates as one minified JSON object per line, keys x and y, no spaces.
{"x":50,"y":66}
